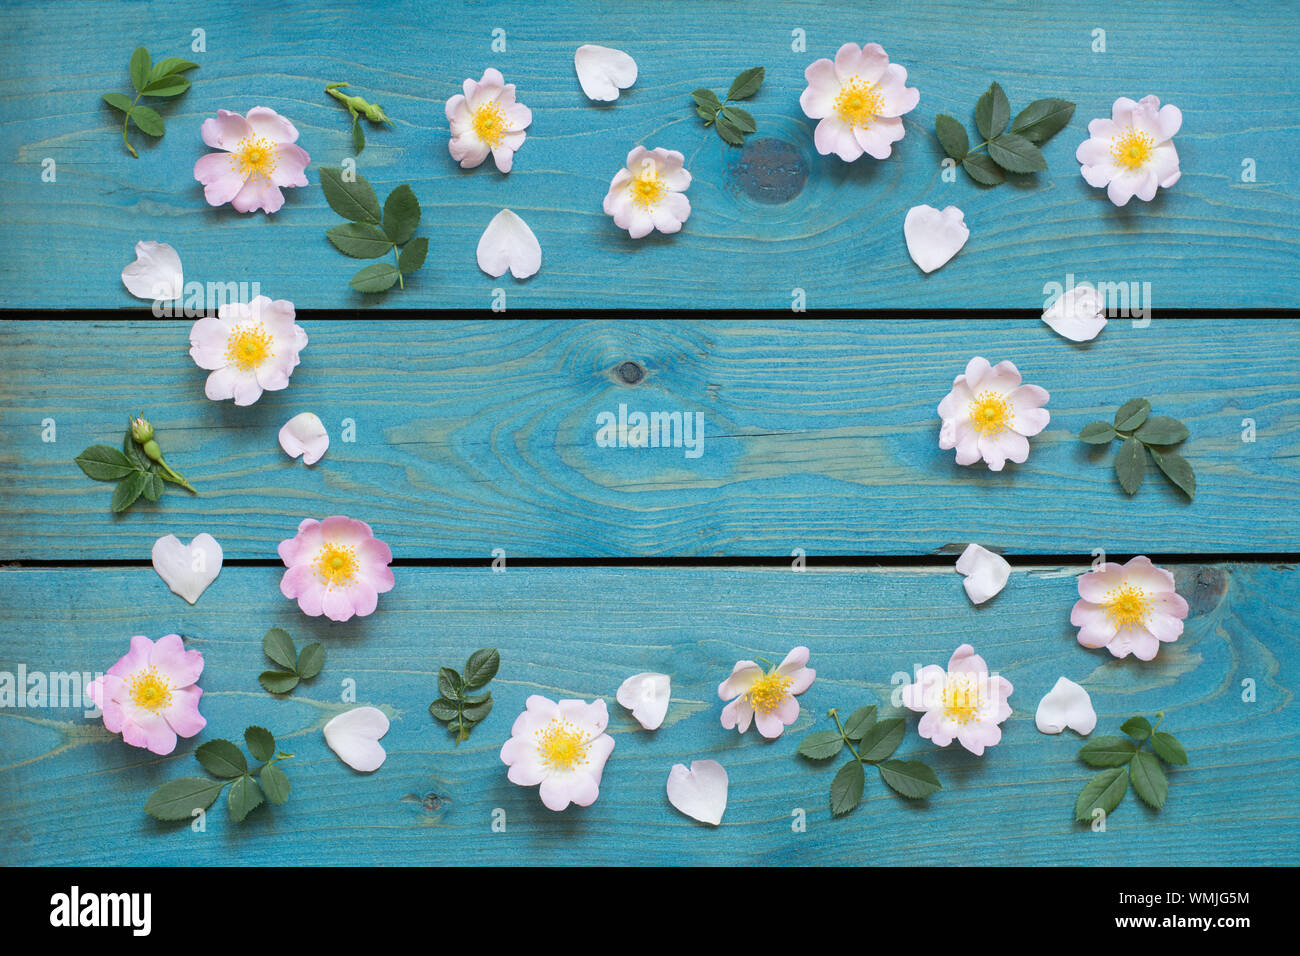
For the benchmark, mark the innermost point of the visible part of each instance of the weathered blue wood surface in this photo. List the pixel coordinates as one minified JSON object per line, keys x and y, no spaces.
{"x":1213,"y":240}
{"x":70,"y":793}
{"x":819,"y":435}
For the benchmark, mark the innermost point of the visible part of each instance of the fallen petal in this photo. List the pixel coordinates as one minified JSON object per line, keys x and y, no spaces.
{"x":934,"y":237}
{"x":1066,"y":705}
{"x":508,"y":243}
{"x":354,"y":736}
{"x":603,"y":71}
{"x":188,"y":569}
{"x":701,"y":792}
{"x":646,"y":695}
{"x":156,"y":274}
{"x":986,"y":573}
{"x":304,"y":435}
{"x":1078,"y":313}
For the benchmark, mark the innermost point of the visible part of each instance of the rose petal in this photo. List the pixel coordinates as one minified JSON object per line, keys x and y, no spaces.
{"x":304,"y":435}
{"x":354,"y":736}
{"x":646,"y":695}
{"x":934,"y":237}
{"x":508,"y":243}
{"x":156,"y":273}
{"x":986,"y":573}
{"x":603,"y":71}
{"x":1078,"y":313}
{"x":701,"y":792}
{"x":1066,"y":705}
{"x":188,"y":569}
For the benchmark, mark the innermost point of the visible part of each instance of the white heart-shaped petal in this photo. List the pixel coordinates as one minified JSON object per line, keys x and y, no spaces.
{"x":508,"y":243}
{"x":934,"y":237}
{"x":701,"y":792}
{"x":304,"y":435}
{"x":188,"y":569}
{"x":986,"y":573}
{"x":646,"y":695}
{"x":603,"y":71}
{"x":1078,"y":313}
{"x":156,"y":273}
{"x":1066,"y":705}
{"x":354,"y":736}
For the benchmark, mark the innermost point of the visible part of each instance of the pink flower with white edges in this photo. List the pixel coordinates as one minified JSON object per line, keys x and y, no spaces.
{"x":964,"y":702}
{"x":1132,"y":153}
{"x":989,"y":414}
{"x":336,"y":567}
{"x":249,"y":348}
{"x":150,"y":695}
{"x":560,"y":746}
{"x":257,"y":159}
{"x":766,"y":699}
{"x":858,"y":100}
{"x":648,"y":193}
{"x":1129,"y":609}
{"x":486,"y":118}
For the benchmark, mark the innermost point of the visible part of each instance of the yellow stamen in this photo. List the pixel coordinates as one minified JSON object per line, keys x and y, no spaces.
{"x":1131,"y":148}
{"x":991,"y":413}
{"x":248,"y":346}
{"x":255,"y":157}
{"x":562,"y":745}
{"x":858,"y":103}
{"x":490,"y":123}
{"x":1127,"y":606}
{"x":963,"y":697}
{"x":149,"y":689}
{"x":768,"y":692}
{"x":336,"y":565}
{"x":648,"y":189}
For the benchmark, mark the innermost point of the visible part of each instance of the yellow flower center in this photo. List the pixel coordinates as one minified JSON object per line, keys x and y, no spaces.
{"x":963,"y":697}
{"x":255,"y":157}
{"x":150,"y":690}
{"x":768,"y":692}
{"x":859,"y":102}
{"x":490,"y":123}
{"x":562,"y":746}
{"x":648,"y":189}
{"x":336,"y":565}
{"x":249,"y":346}
{"x":1131,"y":148}
{"x":991,"y":414}
{"x":1127,"y":606}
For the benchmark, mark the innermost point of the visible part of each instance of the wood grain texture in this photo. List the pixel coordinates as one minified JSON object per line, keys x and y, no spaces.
{"x":70,"y":793}
{"x":835,"y":230}
{"x":822,"y":435}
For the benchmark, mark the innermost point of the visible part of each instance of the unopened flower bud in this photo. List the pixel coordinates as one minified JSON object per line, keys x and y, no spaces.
{"x":152,"y":450}
{"x":141,"y":430}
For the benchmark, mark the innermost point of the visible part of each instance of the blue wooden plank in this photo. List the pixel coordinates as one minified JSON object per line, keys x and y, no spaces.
{"x":70,"y":793}
{"x":1212,"y":240}
{"x":818,"y":435}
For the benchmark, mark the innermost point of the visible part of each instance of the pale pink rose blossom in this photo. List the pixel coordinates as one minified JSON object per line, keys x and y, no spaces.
{"x":648,"y":193}
{"x":150,"y":696}
{"x":560,"y":746}
{"x":336,"y":567}
{"x":964,"y":702}
{"x":765,"y":699}
{"x":989,"y":414}
{"x":257,"y":159}
{"x":249,"y":348}
{"x":1132,"y":153}
{"x":858,"y":100}
{"x":484,"y":119}
{"x":1129,"y":609}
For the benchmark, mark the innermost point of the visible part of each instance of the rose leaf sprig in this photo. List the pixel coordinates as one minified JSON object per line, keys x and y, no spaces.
{"x":139,"y":468}
{"x":732,"y":123}
{"x":149,"y":79}
{"x":180,"y":799}
{"x":459,"y":710}
{"x":1010,"y":150}
{"x":873,"y":742}
{"x":370,"y":233}
{"x":357,"y":108}
{"x":1126,"y":762}
{"x":291,"y":664}
{"x":1143,"y":432}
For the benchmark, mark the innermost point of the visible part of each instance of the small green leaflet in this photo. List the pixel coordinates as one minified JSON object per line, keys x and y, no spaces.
{"x":1143,"y":433}
{"x":910,"y":778}
{"x":162,"y":79}
{"x":249,"y":787}
{"x":291,"y":664}
{"x":136,"y":475}
{"x":847,"y":787}
{"x":1125,"y":762}
{"x":457,"y":708}
{"x":371,"y":233}
{"x":357,"y":108}
{"x":1103,"y":791}
{"x":1013,"y":149}
{"x":178,"y":799}
{"x":732,"y":123}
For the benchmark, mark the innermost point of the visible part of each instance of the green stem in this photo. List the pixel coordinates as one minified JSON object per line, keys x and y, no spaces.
{"x":840,"y":727}
{"x":126,"y":119}
{"x":398,"y":261}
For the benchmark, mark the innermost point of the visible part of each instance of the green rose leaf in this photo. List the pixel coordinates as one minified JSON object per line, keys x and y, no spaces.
{"x":412,"y":255}
{"x":401,"y":214}
{"x":743,"y":120}
{"x":1177,"y":469}
{"x":360,"y":240}
{"x":354,"y":200}
{"x":261,"y":743}
{"x":707,"y":100}
{"x":992,"y":111}
{"x":1139,"y":728}
{"x":178,"y":799}
{"x":859,"y":722}
{"x":358,"y":136}
{"x":1042,"y":119}
{"x":310,"y":660}
{"x":104,"y":463}
{"x":1097,"y":433}
{"x":140,"y":68}
{"x":983,"y":170}
{"x":278,"y":646}
{"x":119,"y":101}
{"x":846,"y":788}
{"x":821,"y":745}
{"x":910,"y":778}
{"x":221,"y":758}
{"x":477,"y":710}
{"x":449,"y":683}
{"x":1131,"y":465}
{"x":1162,"y":430}
{"x":275,"y":783}
{"x":377,"y":278}
{"x":1107,"y":752}
{"x":1149,"y":780}
{"x":244,"y":797}
{"x":148,"y":121}
{"x":153,"y":486}
{"x":1132,"y":414}
{"x":129,"y":489}
{"x":170,"y":66}
{"x":952,"y":136}
{"x":278,"y":682}
{"x":1168,"y":748}
{"x":444,"y":709}
{"x":167,"y":86}
{"x":1103,"y":792}
{"x":746,"y":84}
{"x":882,"y":739}
{"x":728,"y":130}
{"x":1016,"y":154}
{"x":481,"y":667}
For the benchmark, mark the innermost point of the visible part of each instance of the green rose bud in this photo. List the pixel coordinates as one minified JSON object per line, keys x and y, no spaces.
{"x":141,"y":430}
{"x":152,"y":450}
